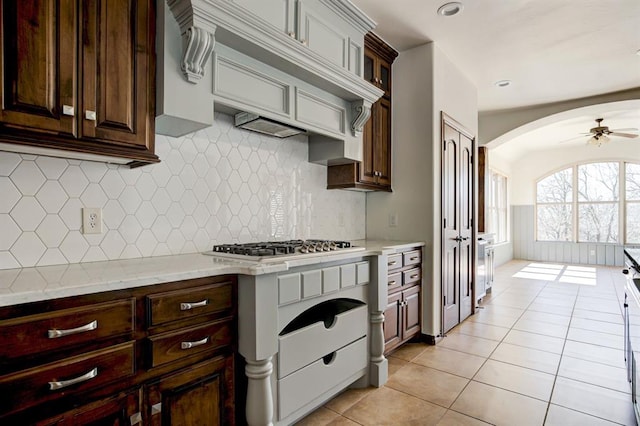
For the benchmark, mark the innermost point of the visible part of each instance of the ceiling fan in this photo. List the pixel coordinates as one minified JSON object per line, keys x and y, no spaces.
{"x":600,"y":134}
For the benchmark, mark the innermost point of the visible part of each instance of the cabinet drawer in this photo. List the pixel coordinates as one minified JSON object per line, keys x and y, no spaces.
{"x":64,"y":328}
{"x":167,"y":347}
{"x":305,"y":345}
{"x":306,"y":384}
{"x":411,"y":276}
{"x":188,"y":303}
{"x":412,"y":257}
{"x":71,"y":376}
{"x":394,"y":261}
{"x":394,"y":281}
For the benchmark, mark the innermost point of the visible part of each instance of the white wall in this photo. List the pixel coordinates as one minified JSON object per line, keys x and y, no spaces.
{"x":425,"y":82}
{"x":217,"y":185}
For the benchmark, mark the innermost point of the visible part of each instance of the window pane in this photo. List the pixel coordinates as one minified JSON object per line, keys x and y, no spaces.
{"x":633,"y":223}
{"x":556,"y":188}
{"x":598,"y":182}
{"x":497,"y":209}
{"x":554,"y":222}
{"x":598,"y":223}
{"x":633,"y":182}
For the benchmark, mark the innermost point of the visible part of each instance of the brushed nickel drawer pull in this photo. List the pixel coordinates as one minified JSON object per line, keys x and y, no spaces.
{"x":54,"y":334}
{"x":189,"y":345}
{"x":413,"y":258}
{"x":90,"y":115}
{"x":68,"y":110}
{"x":189,"y":306}
{"x":392,"y":282}
{"x":393,"y":262}
{"x":415,"y":276}
{"x":64,"y":383}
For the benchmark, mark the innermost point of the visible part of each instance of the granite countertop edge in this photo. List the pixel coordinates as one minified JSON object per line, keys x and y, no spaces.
{"x":24,"y":285}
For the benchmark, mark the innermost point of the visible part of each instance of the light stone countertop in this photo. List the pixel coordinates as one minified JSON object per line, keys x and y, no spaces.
{"x":50,"y":282}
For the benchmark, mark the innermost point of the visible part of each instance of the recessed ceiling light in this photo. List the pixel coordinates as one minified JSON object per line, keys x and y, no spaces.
{"x":450,"y":9}
{"x":502,"y":83}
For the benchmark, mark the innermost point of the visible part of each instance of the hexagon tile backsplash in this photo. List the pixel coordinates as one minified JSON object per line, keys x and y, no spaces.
{"x":217,"y":185}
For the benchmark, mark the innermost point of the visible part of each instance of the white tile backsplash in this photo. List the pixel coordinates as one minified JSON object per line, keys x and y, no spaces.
{"x":218,"y":185}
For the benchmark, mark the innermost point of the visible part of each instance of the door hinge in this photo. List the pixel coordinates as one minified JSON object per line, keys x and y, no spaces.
{"x":135,"y":418}
{"x":444,"y":225}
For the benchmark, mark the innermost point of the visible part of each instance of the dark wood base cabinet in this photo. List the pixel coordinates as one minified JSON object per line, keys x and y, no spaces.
{"x":157,"y":355}
{"x":402,"y":317}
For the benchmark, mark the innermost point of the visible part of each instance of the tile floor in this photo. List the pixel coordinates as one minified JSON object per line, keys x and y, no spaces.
{"x":545,"y":348}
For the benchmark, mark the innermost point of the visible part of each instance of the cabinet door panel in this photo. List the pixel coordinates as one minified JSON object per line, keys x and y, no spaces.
{"x":382,"y":157}
{"x":197,"y":394}
{"x":38,"y":57}
{"x":320,"y":34}
{"x":392,"y":322}
{"x":411,"y":312}
{"x":279,"y":13}
{"x":367,"y":167}
{"x":115,"y":64}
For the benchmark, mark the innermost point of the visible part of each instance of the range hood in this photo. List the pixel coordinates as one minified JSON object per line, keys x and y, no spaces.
{"x":236,"y":57}
{"x":264,"y":125}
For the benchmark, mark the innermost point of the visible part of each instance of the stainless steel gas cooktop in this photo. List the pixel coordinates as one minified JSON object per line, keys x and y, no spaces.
{"x":281,"y":250}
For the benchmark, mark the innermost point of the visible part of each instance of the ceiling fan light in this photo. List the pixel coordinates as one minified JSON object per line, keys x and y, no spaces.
{"x":598,"y":140}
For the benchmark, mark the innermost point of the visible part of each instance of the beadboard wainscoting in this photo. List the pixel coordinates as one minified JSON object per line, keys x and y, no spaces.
{"x":217,"y":185}
{"x":525,"y":246}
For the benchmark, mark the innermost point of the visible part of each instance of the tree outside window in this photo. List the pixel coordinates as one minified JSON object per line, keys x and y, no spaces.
{"x":584,"y":203}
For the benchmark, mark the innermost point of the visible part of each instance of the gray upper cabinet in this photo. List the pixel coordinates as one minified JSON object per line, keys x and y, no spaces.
{"x":317,"y":24}
{"x":279,"y":13}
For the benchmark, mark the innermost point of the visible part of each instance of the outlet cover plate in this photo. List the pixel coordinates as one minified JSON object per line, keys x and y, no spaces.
{"x":91,"y":220}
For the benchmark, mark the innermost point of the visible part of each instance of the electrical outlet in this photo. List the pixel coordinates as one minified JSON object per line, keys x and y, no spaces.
{"x":91,"y":220}
{"x":393,"y":219}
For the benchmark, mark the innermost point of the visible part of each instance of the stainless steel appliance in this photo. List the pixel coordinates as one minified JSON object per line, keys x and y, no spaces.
{"x":631,"y":323}
{"x":278,"y":251}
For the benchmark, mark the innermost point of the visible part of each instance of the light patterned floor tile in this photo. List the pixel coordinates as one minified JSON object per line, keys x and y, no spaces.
{"x":499,"y":406}
{"x":594,"y":400}
{"x":469,"y":344}
{"x":526,"y":357}
{"x":526,"y":381}
{"x":450,"y":361}
{"x":428,"y":384}
{"x":561,"y":416}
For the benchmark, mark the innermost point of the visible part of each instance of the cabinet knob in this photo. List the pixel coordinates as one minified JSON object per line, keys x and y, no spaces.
{"x":305,"y":42}
{"x":292,"y":34}
{"x":90,"y":115}
{"x":68,"y":110}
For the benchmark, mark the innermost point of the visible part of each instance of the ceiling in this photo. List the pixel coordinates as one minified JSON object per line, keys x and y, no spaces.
{"x":551,"y":50}
{"x":568,"y":130}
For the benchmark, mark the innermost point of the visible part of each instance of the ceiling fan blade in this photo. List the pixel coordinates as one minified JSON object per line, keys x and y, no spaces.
{"x":624,"y":135}
{"x":628,"y":129}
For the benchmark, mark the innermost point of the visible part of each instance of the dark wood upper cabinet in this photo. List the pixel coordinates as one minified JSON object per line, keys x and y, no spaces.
{"x":373,"y":173}
{"x":483,"y":187}
{"x":79,"y":76}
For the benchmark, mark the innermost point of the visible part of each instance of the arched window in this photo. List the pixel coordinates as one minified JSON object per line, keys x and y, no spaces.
{"x":590,"y":202}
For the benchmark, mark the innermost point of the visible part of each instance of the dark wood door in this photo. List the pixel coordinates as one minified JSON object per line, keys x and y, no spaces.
{"x":38,"y":70}
{"x":198,"y":395}
{"x":457,"y":225}
{"x":115,"y":411}
{"x":393,"y":321}
{"x":115,"y":61}
{"x":369,"y":141}
{"x":382,"y":157}
{"x":411,"y":312}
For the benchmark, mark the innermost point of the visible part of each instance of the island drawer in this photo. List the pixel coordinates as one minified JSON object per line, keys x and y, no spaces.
{"x":328,"y":329}
{"x":341,"y":367}
{"x":185,"y":342}
{"x":26,"y":388}
{"x":64,"y":328}
{"x":188,"y":303}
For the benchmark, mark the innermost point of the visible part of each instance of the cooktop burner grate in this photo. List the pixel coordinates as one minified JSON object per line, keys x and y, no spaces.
{"x":279,"y":248}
